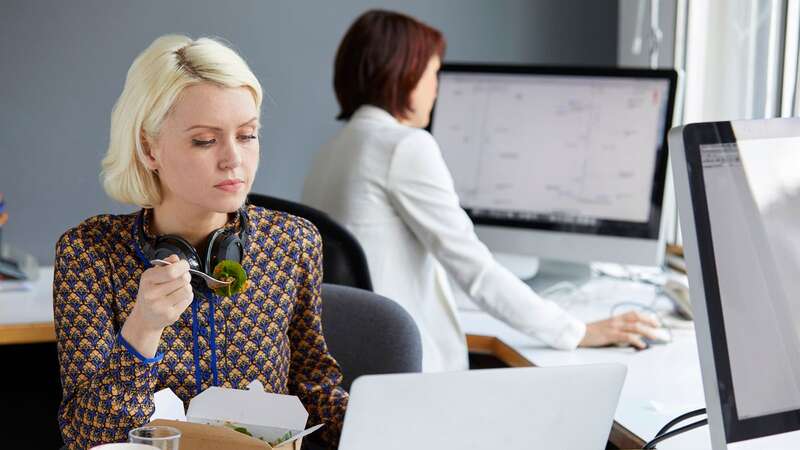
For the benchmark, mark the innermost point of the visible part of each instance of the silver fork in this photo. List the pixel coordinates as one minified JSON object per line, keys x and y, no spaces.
{"x":211,"y":282}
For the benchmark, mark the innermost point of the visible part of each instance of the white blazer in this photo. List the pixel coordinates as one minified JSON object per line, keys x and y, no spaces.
{"x":389,"y":185}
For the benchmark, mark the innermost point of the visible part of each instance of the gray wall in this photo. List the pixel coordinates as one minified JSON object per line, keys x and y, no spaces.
{"x":63,"y":63}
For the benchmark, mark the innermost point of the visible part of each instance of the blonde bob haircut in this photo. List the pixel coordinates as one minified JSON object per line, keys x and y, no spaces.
{"x":155,"y":81}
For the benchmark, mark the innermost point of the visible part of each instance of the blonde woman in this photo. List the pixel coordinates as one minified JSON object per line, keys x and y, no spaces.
{"x":184,"y":148}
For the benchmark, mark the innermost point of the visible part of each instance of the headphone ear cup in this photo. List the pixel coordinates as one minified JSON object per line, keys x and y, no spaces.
{"x":175,"y":245}
{"x":224,"y":246}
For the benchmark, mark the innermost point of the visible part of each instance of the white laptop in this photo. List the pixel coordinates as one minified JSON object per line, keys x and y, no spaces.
{"x":565,"y":408}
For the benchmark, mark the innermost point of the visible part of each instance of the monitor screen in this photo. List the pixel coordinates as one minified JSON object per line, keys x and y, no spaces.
{"x":756,"y":185}
{"x":743,"y":202}
{"x":560,"y":149}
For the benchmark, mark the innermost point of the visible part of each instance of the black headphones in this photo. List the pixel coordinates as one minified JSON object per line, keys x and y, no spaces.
{"x":223,"y":243}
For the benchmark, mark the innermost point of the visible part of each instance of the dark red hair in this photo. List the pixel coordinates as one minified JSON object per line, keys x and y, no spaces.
{"x":380,"y":61}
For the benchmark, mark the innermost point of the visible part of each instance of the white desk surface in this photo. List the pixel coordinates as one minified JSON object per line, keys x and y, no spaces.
{"x":29,"y":306}
{"x":662,"y":383}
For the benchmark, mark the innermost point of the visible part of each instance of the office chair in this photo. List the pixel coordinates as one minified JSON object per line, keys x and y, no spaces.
{"x":343,"y":260}
{"x":368,"y":334}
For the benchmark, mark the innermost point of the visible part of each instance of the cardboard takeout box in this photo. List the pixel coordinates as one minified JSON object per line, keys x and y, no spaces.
{"x":214,"y":413}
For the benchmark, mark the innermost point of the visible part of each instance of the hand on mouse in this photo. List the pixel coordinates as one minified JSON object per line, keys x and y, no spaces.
{"x":627,"y":328}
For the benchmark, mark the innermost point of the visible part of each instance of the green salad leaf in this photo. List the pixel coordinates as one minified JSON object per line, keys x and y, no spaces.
{"x":288,"y":435}
{"x":230,"y":270}
{"x":242,"y":430}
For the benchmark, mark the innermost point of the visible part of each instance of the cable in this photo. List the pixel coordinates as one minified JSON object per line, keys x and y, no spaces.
{"x":566,"y":294}
{"x":675,"y":432}
{"x":633,"y":305}
{"x":679,"y":419}
{"x":558,"y":287}
{"x":663,"y":434}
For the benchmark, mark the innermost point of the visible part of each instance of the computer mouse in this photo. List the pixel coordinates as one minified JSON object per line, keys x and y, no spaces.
{"x":661,"y":337}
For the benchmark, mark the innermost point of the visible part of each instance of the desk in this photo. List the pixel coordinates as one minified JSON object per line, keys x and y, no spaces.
{"x":26,"y":317}
{"x":662,"y":382}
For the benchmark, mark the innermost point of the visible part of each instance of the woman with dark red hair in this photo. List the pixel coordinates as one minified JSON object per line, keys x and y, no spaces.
{"x":384,"y":178}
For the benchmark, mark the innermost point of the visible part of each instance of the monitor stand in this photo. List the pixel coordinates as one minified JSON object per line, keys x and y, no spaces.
{"x":541,"y":274}
{"x":523,"y":266}
{"x":553,"y":271}
{"x":17,"y":265}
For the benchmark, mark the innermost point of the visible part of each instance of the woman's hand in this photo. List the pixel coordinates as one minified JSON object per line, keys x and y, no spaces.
{"x":625,"y":328}
{"x":164,"y":293}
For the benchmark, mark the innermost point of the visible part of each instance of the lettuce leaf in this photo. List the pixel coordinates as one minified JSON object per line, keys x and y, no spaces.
{"x":233,"y":271}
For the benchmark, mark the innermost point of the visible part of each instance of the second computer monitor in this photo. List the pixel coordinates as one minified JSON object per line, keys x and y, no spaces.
{"x":561,"y":163}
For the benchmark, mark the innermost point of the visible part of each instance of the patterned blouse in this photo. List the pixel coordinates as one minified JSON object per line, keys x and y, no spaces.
{"x":271,"y":331}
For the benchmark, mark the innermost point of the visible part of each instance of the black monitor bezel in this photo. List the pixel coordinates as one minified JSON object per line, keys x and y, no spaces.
{"x":614,"y":228}
{"x":695,"y":135}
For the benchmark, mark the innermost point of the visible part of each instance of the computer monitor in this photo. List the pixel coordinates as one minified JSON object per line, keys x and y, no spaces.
{"x":563,"y":163}
{"x":738,"y":194}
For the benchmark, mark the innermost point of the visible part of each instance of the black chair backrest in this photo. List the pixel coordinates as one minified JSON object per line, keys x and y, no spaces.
{"x":369,"y":334}
{"x":343,"y":259}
